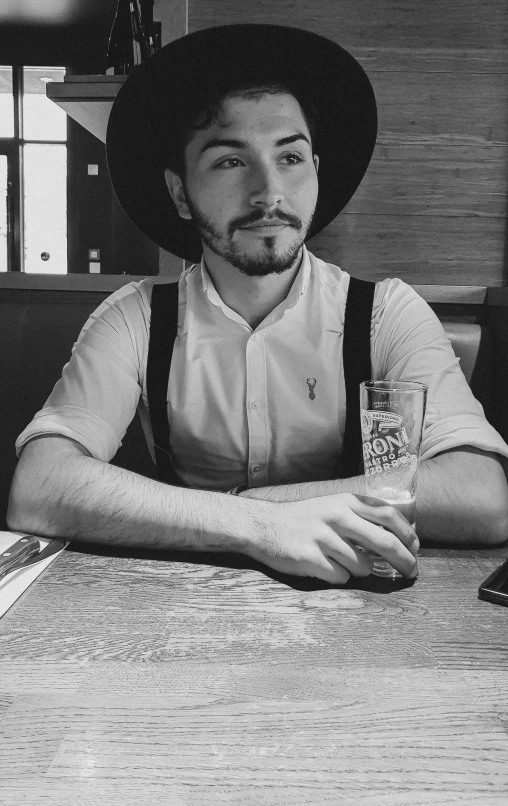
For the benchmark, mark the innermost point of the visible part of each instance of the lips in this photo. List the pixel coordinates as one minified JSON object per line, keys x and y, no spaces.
{"x":267,"y":225}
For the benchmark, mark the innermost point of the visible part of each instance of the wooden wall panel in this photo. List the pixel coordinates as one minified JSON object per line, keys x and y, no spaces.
{"x":371,"y":23}
{"x":432,"y":60}
{"x":434,"y":180}
{"x":446,"y":250}
{"x":432,"y":207}
{"x":446,"y":108}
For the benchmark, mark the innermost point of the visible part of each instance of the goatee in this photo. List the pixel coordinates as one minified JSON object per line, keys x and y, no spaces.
{"x":269,"y":261}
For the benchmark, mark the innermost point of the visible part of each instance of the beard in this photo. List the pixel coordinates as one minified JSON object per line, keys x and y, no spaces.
{"x":269,"y":260}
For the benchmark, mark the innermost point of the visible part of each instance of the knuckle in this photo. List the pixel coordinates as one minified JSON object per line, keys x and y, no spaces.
{"x":386,"y":541}
{"x":388,"y":513}
{"x":412,"y":541}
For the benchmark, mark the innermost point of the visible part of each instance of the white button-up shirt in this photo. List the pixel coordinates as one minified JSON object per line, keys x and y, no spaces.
{"x":263,"y":406}
{"x":241,"y":405}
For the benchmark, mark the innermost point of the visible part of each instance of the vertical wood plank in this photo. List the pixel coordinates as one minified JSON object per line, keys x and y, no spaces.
{"x":174,"y":16}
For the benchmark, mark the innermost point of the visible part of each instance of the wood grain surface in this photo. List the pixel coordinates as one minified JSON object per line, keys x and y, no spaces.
{"x":177,"y":679}
{"x":430,"y":24}
{"x":432,"y":207}
{"x":418,"y":249}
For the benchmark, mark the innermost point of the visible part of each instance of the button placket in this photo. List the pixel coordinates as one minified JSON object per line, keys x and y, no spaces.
{"x":256,"y":414}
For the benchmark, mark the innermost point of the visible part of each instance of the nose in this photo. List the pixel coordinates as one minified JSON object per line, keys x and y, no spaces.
{"x":266,"y":191}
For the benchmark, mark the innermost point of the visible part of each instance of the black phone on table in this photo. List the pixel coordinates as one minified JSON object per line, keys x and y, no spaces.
{"x":495,"y":587}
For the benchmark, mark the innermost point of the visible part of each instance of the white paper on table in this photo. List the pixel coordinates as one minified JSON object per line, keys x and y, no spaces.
{"x":15,"y":583}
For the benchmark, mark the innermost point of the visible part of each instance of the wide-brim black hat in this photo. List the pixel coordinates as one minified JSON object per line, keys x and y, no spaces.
{"x":142,"y":120}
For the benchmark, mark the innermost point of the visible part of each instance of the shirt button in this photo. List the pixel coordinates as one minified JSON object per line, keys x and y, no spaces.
{"x":254,"y":405}
{"x":256,"y":468}
{"x":254,"y":337}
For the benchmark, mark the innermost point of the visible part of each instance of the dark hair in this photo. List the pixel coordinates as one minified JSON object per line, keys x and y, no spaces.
{"x":199,"y":114}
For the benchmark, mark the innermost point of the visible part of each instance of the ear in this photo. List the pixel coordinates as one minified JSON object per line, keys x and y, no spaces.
{"x":316,"y":161}
{"x":177,"y":193}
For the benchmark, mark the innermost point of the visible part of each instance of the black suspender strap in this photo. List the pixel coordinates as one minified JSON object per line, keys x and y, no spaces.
{"x":357,"y":368}
{"x":163,"y":330}
{"x":356,"y":360}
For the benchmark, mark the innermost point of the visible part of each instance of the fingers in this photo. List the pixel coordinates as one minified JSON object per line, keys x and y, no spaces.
{"x":327,"y":538}
{"x":376,"y":511}
{"x":338,"y":574}
{"x":369,"y":535}
{"x":329,"y":570}
{"x":351,"y":558}
{"x":319,"y":566}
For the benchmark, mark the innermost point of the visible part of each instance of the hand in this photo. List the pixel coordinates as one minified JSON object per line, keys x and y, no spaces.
{"x":323,"y":537}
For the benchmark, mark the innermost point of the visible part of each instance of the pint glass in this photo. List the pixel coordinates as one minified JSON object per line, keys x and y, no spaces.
{"x":392,"y":415}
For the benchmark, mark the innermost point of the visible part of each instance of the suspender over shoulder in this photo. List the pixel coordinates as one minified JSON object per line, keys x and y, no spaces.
{"x":357,"y":368}
{"x":163,"y":330}
{"x":356,"y":359}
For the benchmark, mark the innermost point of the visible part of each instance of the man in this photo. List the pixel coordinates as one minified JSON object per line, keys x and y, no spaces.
{"x":242,"y":142}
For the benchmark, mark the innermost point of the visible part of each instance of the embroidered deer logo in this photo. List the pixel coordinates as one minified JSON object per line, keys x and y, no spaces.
{"x":311,"y":383}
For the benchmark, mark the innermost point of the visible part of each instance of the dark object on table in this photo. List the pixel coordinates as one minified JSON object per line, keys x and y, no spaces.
{"x":495,"y":587}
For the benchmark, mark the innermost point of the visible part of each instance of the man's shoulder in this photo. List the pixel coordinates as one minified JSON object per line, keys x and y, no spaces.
{"x":127,"y":310}
{"x":392,"y":292}
{"x":133,"y":292}
{"x":167,"y":288}
{"x":394,"y":299}
{"x":134,"y":297}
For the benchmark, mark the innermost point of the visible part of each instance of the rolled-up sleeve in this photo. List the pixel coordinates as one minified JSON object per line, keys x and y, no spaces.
{"x":409,"y":343}
{"x":97,"y":395}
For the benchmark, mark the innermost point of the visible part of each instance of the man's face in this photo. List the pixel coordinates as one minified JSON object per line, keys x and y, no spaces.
{"x":251,"y":183}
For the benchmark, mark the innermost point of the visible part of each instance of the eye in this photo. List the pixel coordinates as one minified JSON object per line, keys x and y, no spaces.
{"x":292,"y":159}
{"x":229,"y":162}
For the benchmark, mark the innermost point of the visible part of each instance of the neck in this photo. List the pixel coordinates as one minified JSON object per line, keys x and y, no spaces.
{"x":253,"y":298}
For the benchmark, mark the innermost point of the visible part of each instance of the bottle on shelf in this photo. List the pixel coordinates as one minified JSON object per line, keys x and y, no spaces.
{"x":140,"y":44}
{"x":129,"y":41}
{"x":150,"y":26}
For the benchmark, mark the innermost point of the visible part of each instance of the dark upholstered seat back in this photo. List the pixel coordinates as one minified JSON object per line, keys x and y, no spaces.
{"x":36,"y":340}
{"x":473,"y":345}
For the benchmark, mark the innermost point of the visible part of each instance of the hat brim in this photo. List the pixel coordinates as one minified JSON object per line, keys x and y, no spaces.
{"x":323,"y":71}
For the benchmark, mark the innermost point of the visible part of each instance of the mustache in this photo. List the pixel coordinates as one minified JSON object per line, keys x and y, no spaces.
{"x":258,"y":215}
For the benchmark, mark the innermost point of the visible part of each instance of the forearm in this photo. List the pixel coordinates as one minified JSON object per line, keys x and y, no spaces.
{"x":285,"y":493}
{"x":462,"y":499}
{"x":59,"y":490}
{"x":74,"y":496}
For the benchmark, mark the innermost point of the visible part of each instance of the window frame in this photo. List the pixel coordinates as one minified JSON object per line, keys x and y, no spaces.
{"x":13,"y":148}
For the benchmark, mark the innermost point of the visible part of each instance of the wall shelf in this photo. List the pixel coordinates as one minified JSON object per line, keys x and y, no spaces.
{"x":87,"y":100}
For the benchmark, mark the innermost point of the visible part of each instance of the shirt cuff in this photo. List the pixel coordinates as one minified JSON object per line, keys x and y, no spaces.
{"x":81,"y":425}
{"x":457,"y":432}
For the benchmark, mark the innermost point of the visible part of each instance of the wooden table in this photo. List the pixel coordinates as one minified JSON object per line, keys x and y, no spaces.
{"x":138,"y":680}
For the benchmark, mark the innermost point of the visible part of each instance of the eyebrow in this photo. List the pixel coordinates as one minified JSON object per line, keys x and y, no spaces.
{"x":231,"y":143}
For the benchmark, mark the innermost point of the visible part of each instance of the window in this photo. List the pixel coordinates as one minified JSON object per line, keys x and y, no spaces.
{"x":33,"y":172}
{"x":3,"y":213}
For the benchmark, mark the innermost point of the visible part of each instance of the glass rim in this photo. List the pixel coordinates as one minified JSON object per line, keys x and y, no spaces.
{"x":394,"y":386}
